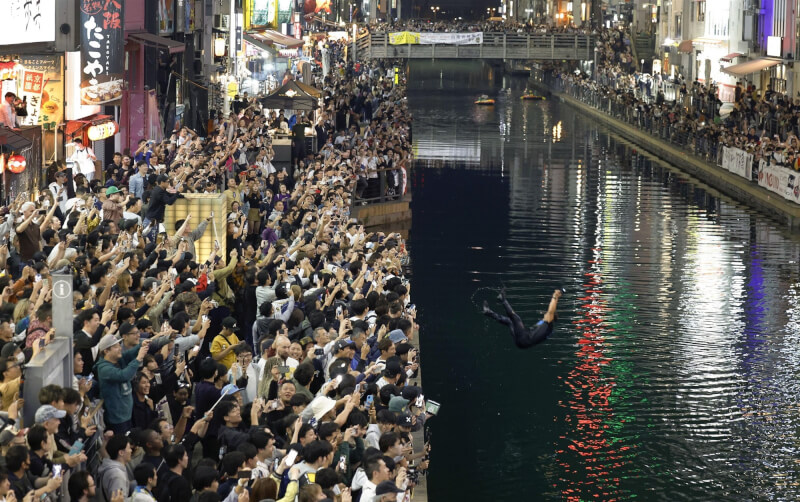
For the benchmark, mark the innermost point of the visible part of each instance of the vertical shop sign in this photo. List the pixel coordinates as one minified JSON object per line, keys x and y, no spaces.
{"x":45,"y":103}
{"x":166,"y":17}
{"x":102,"y":46}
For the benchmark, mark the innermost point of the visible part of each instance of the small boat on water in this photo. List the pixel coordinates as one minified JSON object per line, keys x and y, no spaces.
{"x":484,"y":100}
{"x":532,"y":97}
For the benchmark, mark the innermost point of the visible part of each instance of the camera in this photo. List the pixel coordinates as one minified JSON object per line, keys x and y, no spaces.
{"x":413,"y":475}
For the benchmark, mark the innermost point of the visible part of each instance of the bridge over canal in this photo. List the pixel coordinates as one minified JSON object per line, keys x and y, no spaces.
{"x":524,"y":46}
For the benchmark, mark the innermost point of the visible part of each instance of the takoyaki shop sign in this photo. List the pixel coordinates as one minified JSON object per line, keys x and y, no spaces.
{"x":102,"y":51}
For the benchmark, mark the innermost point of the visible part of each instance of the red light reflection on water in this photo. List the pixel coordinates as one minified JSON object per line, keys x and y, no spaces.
{"x":591,"y":455}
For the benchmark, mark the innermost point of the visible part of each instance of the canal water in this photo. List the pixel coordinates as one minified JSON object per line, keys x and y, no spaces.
{"x":673,"y":371}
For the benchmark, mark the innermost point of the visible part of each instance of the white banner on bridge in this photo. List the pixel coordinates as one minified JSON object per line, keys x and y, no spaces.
{"x":785,"y":182}
{"x":475,"y":38}
{"x":738,"y":162}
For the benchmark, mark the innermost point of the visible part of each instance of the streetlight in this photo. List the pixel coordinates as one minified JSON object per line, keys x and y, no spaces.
{"x":435,"y":10}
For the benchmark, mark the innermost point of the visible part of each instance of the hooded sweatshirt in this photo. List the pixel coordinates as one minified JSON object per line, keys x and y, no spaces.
{"x":115,"y":385}
{"x":112,"y":477}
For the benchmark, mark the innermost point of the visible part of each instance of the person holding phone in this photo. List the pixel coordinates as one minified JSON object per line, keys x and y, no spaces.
{"x":115,"y":370}
{"x":523,"y":337}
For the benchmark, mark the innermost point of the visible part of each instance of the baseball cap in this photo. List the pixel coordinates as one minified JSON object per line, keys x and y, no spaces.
{"x":128,"y":223}
{"x":111,"y":190}
{"x":162,"y":178}
{"x":344,"y":344}
{"x":106,"y":342}
{"x":229,"y":322}
{"x":339,"y":367}
{"x":385,"y":487}
{"x":405,"y":420}
{"x":411,"y":392}
{"x":398,"y":404}
{"x":61,"y":173}
{"x":393,"y":368}
{"x":47,"y":412}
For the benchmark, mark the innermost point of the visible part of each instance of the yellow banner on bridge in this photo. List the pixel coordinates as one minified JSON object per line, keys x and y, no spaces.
{"x":403,"y":37}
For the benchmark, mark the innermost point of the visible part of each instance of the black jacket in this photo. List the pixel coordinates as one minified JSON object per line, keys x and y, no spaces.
{"x":159,"y":199}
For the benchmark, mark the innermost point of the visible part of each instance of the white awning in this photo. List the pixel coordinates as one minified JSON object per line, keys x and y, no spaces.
{"x":748,"y":67}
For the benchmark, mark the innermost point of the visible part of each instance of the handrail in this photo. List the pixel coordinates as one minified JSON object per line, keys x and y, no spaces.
{"x":494,"y":45}
{"x":383,"y":192}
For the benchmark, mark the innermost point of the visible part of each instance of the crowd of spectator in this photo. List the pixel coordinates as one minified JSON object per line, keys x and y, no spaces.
{"x":763,"y":124}
{"x":280,"y":368}
{"x":459,"y":26}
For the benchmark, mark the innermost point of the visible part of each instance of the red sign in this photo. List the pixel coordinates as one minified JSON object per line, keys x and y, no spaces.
{"x":8,"y":70}
{"x":33,"y":82}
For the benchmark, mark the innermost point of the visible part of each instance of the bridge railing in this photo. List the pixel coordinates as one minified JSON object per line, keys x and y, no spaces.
{"x":495,"y":44}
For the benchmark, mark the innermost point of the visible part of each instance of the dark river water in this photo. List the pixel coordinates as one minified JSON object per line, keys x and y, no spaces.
{"x":672,"y":373}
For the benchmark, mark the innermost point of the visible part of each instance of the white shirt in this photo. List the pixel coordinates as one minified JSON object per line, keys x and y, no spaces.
{"x":85,"y":159}
{"x":368,"y":491}
{"x":8,"y":116}
{"x":62,"y":199}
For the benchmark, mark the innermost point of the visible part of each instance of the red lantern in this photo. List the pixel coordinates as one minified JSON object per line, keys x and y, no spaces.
{"x":16,"y":164}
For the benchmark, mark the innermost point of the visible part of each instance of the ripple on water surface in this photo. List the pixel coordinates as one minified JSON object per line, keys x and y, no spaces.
{"x":673,"y":370}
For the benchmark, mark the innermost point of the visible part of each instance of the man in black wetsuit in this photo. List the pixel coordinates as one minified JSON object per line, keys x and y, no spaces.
{"x":523,"y":337}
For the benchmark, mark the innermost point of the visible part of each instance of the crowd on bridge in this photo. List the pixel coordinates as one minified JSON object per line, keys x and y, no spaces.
{"x":456,"y":26}
{"x":279,"y":366}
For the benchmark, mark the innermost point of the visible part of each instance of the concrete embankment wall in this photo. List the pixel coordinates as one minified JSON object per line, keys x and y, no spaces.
{"x":736,"y":187}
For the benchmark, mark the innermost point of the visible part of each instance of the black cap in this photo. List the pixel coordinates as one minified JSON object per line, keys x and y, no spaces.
{"x":229,"y":322}
{"x":387,"y":487}
{"x":162,"y":178}
{"x":392,"y":369}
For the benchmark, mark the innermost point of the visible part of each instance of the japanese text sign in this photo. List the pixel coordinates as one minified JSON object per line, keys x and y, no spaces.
{"x":102,"y":51}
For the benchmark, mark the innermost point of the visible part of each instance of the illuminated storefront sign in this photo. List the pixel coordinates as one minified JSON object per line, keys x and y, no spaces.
{"x":102,"y":131}
{"x":16,"y":164}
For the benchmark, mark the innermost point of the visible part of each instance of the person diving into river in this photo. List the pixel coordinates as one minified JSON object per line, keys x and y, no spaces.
{"x":523,"y":337}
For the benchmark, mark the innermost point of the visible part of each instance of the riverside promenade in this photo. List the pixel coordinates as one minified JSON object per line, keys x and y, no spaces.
{"x":732,"y":185}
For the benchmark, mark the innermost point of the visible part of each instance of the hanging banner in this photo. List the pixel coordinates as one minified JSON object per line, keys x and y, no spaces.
{"x":738,"y":162}
{"x":403,"y":37}
{"x":780,"y":180}
{"x":166,"y":17}
{"x":45,"y":104}
{"x":102,"y":51}
{"x":261,"y":13}
{"x":475,"y":38}
{"x":284,"y":12}
{"x":188,"y":16}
